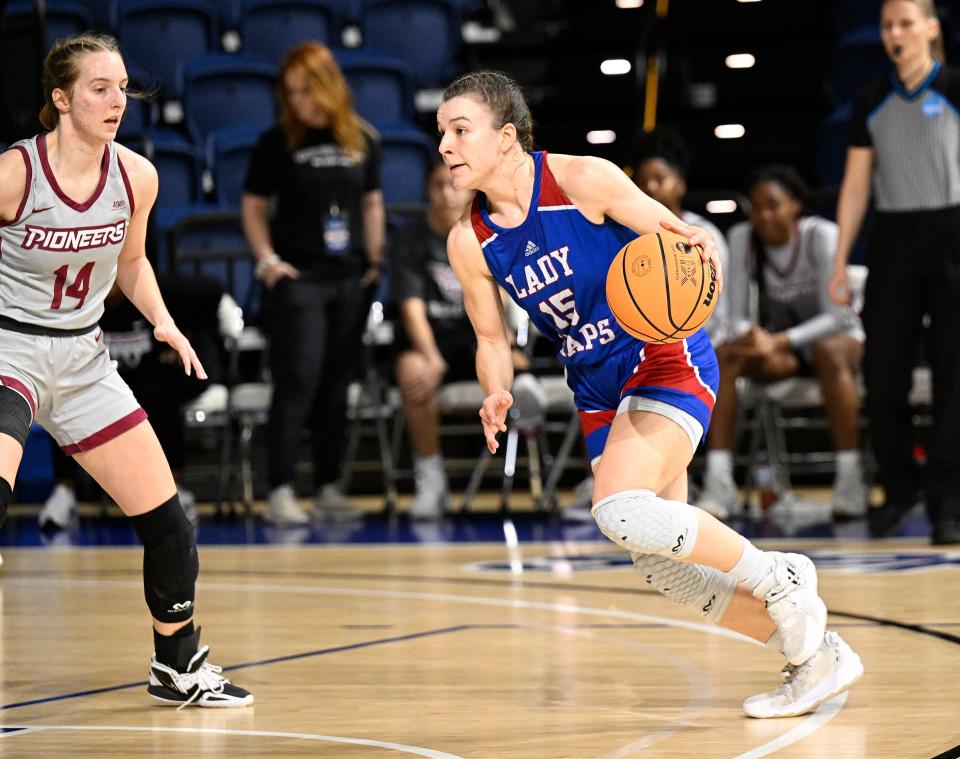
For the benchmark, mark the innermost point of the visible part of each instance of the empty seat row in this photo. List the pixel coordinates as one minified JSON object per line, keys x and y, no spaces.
{"x":159,"y":34}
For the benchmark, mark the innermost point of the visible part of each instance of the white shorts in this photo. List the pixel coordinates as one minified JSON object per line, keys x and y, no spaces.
{"x":71,"y":385}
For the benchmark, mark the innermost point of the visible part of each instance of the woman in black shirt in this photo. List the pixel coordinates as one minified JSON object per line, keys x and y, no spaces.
{"x":318,"y":256}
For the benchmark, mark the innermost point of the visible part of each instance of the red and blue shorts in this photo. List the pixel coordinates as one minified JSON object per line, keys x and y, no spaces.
{"x":678,"y":380}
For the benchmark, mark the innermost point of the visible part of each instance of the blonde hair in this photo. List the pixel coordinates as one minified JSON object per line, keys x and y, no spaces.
{"x":929,"y":10}
{"x":328,"y":89}
{"x":61,"y":68}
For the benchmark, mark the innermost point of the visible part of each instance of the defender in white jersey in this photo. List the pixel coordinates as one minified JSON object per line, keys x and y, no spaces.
{"x":73,"y":218}
{"x":581,"y":208}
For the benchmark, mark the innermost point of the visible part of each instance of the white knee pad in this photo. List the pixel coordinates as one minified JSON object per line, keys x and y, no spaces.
{"x":643,"y":523}
{"x":707,"y":591}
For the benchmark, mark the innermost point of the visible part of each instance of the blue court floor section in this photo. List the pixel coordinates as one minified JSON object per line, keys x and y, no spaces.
{"x":23,"y":530}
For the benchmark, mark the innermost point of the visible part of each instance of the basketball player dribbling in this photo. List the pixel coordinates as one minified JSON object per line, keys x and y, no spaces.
{"x":546,"y":228}
{"x":73,"y":218}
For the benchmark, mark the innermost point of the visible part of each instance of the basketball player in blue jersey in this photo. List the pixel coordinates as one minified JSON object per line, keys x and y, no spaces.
{"x":73,"y":218}
{"x":546,"y":229}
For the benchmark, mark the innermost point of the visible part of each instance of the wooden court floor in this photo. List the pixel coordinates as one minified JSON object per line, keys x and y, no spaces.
{"x":440,"y":651}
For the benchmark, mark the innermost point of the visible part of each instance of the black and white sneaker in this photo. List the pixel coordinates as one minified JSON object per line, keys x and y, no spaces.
{"x":201,"y":685}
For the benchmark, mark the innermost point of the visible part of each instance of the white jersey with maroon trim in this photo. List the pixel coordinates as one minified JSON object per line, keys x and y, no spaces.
{"x":58,"y":256}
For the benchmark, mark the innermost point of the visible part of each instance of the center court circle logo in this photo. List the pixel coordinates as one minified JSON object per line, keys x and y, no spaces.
{"x":834,"y":561}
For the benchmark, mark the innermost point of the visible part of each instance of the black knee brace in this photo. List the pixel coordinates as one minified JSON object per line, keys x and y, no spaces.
{"x":15,"y":415}
{"x":170,"y":563}
{"x":6,"y":494}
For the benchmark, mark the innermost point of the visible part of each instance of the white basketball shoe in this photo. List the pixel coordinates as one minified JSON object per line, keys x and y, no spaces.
{"x":832,"y":669}
{"x":789,"y":593}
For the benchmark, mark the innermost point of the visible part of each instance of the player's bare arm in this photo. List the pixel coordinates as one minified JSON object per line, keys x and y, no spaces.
{"x":600,"y":189}
{"x":851,"y":208}
{"x":134,"y":272}
{"x":485,"y":310}
{"x":13,"y":180}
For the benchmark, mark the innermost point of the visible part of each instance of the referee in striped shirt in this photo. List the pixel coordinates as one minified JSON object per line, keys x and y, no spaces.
{"x":905,"y":136}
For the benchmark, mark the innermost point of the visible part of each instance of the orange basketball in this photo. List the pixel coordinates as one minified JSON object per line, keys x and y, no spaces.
{"x":659,"y":289}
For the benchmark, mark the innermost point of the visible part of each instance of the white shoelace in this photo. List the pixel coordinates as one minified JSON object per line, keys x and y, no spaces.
{"x":207,"y":678}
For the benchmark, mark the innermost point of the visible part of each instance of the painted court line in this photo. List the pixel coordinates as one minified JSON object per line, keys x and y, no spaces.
{"x":405,"y":748}
{"x":824,"y":713}
{"x":808,"y":726}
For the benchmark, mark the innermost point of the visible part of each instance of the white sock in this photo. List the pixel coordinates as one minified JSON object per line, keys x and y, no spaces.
{"x":753,"y":567}
{"x":432,"y":463}
{"x":848,"y":462}
{"x":776,"y":642}
{"x":720,"y":463}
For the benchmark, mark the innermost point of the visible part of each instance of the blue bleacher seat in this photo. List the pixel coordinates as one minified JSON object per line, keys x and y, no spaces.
{"x":381,"y":87}
{"x":269,"y":28}
{"x":225,"y":90}
{"x":228,"y":154}
{"x":159,"y":35}
{"x":180,"y":166}
{"x":858,"y":60}
{"x":138,"y":116}
{"x":407,"y":153}
{"x":104,"y":14}
{"x":833,"y":137}
{"x":61,"y":19}
{"x":228,"y":13}
{"x":851,"y":14}
{"x":425,"y":34}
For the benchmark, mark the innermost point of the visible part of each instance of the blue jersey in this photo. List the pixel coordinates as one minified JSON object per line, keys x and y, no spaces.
{"x":554,"y":265}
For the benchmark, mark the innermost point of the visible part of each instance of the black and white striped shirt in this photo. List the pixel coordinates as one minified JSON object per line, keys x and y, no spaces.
{"x":915,"y":136}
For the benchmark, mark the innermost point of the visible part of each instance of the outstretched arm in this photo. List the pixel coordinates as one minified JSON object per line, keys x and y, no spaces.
{"x":485,"y":309}
{"x":851,"y":208}
{"x":600,"y":189}
{"x":135,"y":275}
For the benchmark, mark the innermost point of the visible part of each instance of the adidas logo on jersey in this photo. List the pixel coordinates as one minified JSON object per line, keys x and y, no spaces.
{"x":532,"y":248}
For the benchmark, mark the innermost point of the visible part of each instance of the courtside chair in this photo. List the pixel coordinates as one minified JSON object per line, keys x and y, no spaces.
{"x":225,"y":90}
{"x":381,"y":87}
{"x":425,"y":34}
{"x":212,"y":242}
{"x":158,"y":34}
{"x":372,"y":405}
{"x":269,"y":28}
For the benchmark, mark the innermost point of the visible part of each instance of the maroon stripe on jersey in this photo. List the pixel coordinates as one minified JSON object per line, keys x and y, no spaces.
{"x":48,"y":172}
{"x":480,"y":228}
{"x":107,"y":434}
{"x":550,"y":192}
{"x":126,"y":183}
{"x":26,"y":187}
{"x":14,"y":384}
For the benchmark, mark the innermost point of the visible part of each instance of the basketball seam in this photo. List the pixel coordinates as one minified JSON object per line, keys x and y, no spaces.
{"x":632,"y":330}
{"x":626,"y":282}
{"x":696,"y":303}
